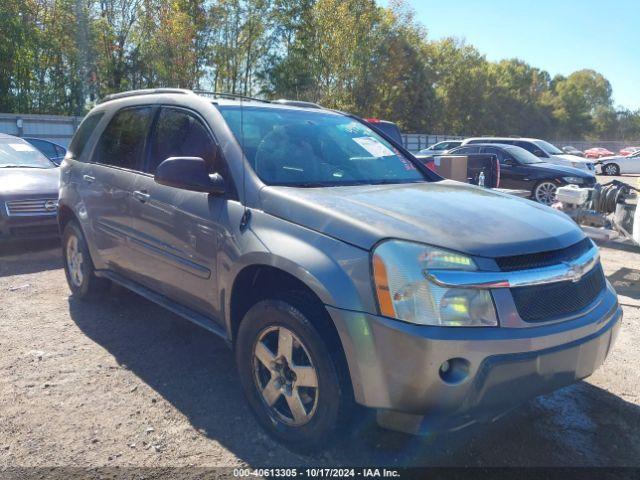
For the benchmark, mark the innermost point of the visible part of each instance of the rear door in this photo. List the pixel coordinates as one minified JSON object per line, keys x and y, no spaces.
{"x":176,"y":232}
{"x":107,"y":184}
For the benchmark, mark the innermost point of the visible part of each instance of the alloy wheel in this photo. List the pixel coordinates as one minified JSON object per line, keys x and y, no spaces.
{"x":611,"y":169}
{"x":75,"y":261}
{"x":546,"y":193}
{"x":285,"y":376}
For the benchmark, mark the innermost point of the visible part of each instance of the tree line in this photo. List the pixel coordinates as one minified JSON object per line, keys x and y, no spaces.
{"x":61,"y":56}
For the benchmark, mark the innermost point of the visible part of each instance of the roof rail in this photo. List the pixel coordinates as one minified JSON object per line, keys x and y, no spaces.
{"x":206,"y":93}
{"x":297,"y":103}
{"x":145,"y":91}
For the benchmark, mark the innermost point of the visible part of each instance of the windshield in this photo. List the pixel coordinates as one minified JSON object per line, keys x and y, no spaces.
{"x":312,"y":148}
{"x":522,"y":155}
{"x":16,"y":153}
{"x":548,"y":148}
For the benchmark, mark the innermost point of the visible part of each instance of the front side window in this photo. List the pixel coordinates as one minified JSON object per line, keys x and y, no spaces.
{"x":86,"y":128}
{"x":522,"y":155}
{"x":122,"y":142}
{"x":16,"y":153}
{"x":315,"y":148}
{"x":180,"y":134}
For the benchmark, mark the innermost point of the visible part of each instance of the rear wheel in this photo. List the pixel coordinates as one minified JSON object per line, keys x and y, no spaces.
{"x":611,"y":169}
{"x":78,"y":266}
{"x":295,"y":386}
{"x":545,"y":192}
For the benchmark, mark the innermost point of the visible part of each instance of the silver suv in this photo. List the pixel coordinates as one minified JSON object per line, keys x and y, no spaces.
{"x":342,"y":272}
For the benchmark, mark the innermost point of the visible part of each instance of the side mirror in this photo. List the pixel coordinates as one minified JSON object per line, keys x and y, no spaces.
{"x":509,"y":162}
{"x":540,"y":154}
{"x":189,"y":173}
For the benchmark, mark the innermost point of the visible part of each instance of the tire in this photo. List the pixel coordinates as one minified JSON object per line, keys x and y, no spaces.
{"x":78,"y":266}
{"x":611,"y":169}
{"x":545,"y":192}
{"x":264,"y":364}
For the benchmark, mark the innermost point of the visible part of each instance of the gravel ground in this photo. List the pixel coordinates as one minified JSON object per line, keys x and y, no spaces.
{"x":122,"y":382}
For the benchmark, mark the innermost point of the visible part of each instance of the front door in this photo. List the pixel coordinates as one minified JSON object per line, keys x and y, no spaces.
{"x":176,"y":232}
{"x":107,"y":183}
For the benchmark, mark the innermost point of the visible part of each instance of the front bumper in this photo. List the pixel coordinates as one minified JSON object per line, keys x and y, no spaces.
{"x":395,"y":366}
{"x":28,"y":227}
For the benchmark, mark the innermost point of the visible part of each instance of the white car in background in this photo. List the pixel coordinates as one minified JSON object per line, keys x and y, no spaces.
{"x":620,"y":165}
{"x":440,"y":147}
{"x":541,"y":149}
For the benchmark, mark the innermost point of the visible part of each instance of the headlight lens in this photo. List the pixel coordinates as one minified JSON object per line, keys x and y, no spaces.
{"x":576,"y":180}
{"x":400,"y":272}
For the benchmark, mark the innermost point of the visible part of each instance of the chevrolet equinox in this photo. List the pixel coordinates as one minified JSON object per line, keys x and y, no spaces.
{"x":343,"y":273}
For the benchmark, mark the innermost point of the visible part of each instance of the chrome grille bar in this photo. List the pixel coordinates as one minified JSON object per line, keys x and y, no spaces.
{"x":31,"y":207}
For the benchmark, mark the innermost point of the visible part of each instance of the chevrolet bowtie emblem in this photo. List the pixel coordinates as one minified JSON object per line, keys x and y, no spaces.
{"x":574,"y":272}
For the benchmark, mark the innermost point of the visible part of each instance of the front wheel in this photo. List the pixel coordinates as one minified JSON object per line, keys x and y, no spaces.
{"x":296,"y":388}
{"x":545,"y":192}
{"x":611,"y":169}
{"x":78,"y":266}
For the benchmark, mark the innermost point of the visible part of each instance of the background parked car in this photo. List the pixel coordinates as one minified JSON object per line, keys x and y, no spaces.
{"x":388,"y":128}
{"x":573,"y":151}
{"x":522,"y":170}
{"x":598,"y":152}
{"x":440,"y":147}
{"x":29,"y":184}
{"x":629,"y":151}
{"x":51,"y":150}
{"x":541,"y":149}
{"x":621,"y":164}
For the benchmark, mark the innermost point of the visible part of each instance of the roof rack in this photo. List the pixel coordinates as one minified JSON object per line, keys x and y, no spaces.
{"x":145,"y":91}
{"x":206,"y":93}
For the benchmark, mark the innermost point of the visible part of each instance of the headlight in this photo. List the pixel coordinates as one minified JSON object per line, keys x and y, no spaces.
{"x":576,"y":180}
{"x":400,"y":272}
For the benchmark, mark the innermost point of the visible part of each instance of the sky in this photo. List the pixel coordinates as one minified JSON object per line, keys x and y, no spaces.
{"x":560,"y":36}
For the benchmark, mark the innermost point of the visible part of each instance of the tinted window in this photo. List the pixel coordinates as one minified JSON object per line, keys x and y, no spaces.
{"x":180,"y":134}
{"x":464,"y":151}
{"x":522,"y":155}
{"x":47,"y":148}
{"x":122,"y":142}
{"x":528,"y":146}
{"x":85,"y":130}
{"x":314,"y":148}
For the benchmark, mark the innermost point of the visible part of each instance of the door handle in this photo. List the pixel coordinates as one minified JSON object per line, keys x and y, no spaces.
{"x":141,"y":195}
{"x":88,"y":178}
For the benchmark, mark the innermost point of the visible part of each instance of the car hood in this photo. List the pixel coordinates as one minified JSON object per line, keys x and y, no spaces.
{"x":558,"y":170}
{"x":25,"y":182}
{"x":448,"y":214}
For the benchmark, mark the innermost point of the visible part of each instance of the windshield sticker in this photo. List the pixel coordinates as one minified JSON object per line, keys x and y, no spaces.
{"x":22,"y":147}
{"x":373,"y":146}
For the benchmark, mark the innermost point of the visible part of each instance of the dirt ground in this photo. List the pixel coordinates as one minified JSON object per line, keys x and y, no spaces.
{"x":122,"y":382}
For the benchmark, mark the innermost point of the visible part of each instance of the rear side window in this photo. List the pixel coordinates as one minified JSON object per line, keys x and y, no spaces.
{"x":180,"y":134}
{"x":85,"y":130}
{"x":122,"y":142}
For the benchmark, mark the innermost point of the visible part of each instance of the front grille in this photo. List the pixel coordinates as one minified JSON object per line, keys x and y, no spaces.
{"x":548,"y":302}
{"x":544,"y":259}
{"x":25,"y":208}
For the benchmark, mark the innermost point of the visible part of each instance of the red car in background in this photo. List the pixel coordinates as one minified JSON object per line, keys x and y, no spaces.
{"x":625,"y":152}
{"x":598,"y":153}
